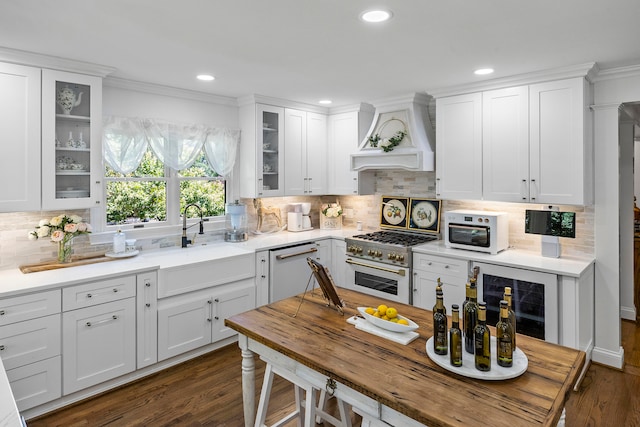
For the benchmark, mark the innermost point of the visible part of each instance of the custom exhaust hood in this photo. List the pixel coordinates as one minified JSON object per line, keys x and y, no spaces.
{"x":400,"y":137}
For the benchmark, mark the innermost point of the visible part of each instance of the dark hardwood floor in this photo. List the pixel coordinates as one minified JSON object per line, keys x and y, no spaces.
{"x":207,"y":391}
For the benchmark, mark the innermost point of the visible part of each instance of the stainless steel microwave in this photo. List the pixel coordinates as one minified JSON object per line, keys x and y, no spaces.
{"x":481,"y":231}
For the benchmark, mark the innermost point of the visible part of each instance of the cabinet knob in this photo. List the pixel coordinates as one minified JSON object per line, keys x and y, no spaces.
{"x":147,"y":284}
{"x":115,"y":290}
{"x":97,"y":202}
{"x":1,"y":347}
{"x":446,"y":266}
{"x":89,"y":296}
{"x":208,"y":319}
{"x":216,"y":300}
{"x":148,"y":305}
{"x":209,"y":302}
{"x":2,"y":313}
{"x":97,"y":182}
{"x":217,"y":318}
{"x":263,"y":276}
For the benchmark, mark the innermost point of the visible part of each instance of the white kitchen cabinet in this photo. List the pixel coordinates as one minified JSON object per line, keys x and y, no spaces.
{"x":30,"y":338}
{"x":459,"y":147}
{"x":262,"y":278}
{"x":146,"y":319}
{"x":20,"y":136}
{"x":189,"y":321}
{"x":305,"y":159}
{"x":561,"y":155}
{"x":338,"y":262}
{"x":505,"y":144}
{"x":261,"y":151}
{"x":453,"y":275}
{"x":99,"y":332}
{"x":345,"y":132}
{"x":519,"y":144}
{"x":323,"y":255}
{"x":71,"y":141}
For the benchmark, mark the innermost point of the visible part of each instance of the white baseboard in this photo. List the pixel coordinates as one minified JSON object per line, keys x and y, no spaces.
{"x":628,"y":313}
{"x":608,"y":357}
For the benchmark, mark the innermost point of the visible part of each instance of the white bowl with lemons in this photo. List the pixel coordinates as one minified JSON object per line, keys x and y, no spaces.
{"x":388,"y":324}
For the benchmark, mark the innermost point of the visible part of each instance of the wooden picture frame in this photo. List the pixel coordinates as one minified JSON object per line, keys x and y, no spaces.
{"x":393,"y":212}
{"x":424,"y":215}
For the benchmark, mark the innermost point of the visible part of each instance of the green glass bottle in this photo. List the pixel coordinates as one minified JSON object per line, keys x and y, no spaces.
{"x":470,"y":317}
{"x":439,"y":292}
{"x":482,"y":340}
{"x":504,"y":334}
{"x":455,"y":337}
{"x":440,"y":341}
{"x":512,"y":315}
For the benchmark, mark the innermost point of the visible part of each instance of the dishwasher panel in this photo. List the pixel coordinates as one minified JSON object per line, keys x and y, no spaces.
{"x":289,"y":272}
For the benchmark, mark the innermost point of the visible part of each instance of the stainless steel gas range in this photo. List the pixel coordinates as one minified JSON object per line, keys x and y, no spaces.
{"x":379,"y":263}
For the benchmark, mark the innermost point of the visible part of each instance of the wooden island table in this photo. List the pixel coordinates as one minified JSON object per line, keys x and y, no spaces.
{"x":398,"y":383}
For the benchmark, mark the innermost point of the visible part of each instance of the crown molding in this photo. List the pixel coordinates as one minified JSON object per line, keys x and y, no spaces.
{"x":22,"y":57}
{"x":587,"y":70}
{"x":617,"y":73}
{"x":157,"y":89}
{"x":279,"y":102}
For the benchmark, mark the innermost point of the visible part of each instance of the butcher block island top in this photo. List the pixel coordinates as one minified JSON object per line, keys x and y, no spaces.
{"x":402,"y":377}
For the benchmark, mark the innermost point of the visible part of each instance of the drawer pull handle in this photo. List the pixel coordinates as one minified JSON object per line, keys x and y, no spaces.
{"x":1,"y":347}
{"x":115,"y":290}
{"x":114,"y":317}
{"x":2,"y":313}
{"x":217,"y":318}
{"x":429,"y":263}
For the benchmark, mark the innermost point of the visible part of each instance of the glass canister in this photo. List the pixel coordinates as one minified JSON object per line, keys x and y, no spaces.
{"x":235,"y":222}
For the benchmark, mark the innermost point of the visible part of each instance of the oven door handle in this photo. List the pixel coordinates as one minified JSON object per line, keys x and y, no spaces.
{"x":312,"y":250}
{"x":399,"y":271}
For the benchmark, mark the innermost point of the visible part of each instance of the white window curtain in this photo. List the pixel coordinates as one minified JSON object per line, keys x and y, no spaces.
{"x":125,"y":141}
{"x":220,"y":147}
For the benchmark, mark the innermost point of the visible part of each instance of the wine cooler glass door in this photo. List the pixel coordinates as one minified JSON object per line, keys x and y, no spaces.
{"x":535,"y":298}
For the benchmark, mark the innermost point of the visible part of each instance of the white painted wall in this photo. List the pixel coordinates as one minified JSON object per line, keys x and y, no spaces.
{"x":625,"y":131}
{"x":610,"y":91}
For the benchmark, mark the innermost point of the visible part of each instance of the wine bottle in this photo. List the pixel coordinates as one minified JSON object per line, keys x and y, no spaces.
{"x":482,"y":340}
{"x":470,"y":317}
{"x":455,"y":337}
{"x":512,"y":315}
{"x":439,"y":292}
{"x":504,"y":333}
{"x":439,"y":327}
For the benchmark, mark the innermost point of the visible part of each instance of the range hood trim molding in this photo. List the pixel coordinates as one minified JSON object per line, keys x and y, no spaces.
{"x":419,"y":156}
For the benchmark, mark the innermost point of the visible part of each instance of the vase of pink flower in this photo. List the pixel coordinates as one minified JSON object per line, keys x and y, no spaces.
{"x":61,"y":230}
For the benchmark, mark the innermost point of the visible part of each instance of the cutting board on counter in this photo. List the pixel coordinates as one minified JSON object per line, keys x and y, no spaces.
{"x":76,"y":260}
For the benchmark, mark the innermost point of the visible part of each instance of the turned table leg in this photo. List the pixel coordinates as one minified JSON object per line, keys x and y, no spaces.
{"x":248,"y":381}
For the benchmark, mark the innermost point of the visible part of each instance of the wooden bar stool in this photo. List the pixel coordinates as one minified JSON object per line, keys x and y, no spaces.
{"x":306,"y":412}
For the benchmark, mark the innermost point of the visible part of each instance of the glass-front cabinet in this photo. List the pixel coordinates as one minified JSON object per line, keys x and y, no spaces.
{"x":270,"y":139}
{"x":71,"y":140}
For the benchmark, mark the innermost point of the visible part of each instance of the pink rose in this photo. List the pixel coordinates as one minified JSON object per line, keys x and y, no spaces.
{"x":82,"y":227}
{"x":57,"y":236}
{"x":71,"y":228}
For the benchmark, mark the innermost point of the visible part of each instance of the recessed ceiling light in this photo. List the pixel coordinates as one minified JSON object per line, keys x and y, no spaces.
{"x":483,"y":71}
{"x":376,"y":15}
{"x":205,"y":77}
{"x":324,"y":101}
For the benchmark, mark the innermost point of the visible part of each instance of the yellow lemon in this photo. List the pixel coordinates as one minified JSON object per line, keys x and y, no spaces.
{"x":403,"y":322}
{"x":369,"y":310}
{"x":382,"y":309}
{"x":392,"y":312}
{"x":376,"y":314}
{"x":384,"y":317}
{"x":394,"y":320}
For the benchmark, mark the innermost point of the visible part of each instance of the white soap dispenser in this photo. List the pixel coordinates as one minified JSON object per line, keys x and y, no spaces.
{"x":119,"y":242}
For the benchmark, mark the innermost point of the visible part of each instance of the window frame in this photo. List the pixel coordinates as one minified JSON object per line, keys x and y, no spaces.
{"x":173,"y":223}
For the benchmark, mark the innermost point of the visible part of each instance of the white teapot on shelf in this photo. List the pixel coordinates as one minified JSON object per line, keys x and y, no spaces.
{"x":67,"y":100}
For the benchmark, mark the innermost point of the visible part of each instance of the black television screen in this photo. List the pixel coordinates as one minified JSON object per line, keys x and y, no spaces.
{"x":550,"y":223}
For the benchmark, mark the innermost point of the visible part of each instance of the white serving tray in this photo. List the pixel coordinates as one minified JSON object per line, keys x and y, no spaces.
{"x":468,"y":368}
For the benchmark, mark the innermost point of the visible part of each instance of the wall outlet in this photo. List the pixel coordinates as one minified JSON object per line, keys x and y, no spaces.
{"x":347,"y":213}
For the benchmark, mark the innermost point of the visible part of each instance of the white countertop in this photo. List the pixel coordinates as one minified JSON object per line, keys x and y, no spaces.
{"x":565,"y":265}
{"x":13,"y":281}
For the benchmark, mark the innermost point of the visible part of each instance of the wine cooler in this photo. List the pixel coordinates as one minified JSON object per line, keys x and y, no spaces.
{"x":535,"y":298}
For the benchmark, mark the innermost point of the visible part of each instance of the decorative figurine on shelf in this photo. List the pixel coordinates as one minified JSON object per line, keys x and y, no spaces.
{"x":71,"y":143}
{"x":66,"y":99}
{"x":80,"y":142}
